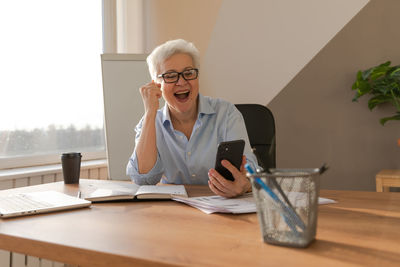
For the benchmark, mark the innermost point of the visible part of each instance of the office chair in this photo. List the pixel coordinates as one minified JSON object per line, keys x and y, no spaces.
{"x":260,"y":126}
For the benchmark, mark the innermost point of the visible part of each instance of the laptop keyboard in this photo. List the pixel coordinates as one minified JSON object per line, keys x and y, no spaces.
{"x":21,"y":202}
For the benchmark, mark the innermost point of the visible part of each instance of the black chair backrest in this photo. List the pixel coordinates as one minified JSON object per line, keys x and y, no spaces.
{"x":260,"y":125}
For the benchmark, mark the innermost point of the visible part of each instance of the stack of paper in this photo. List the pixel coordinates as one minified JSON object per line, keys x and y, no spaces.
{"x":211,"y":204}
{"x":242,"y":204}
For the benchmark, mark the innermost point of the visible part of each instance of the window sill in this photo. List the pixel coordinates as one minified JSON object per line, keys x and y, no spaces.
{"x":16,"y":173}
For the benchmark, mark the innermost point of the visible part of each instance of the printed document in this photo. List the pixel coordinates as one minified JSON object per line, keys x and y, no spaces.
{"x":242,"y":204}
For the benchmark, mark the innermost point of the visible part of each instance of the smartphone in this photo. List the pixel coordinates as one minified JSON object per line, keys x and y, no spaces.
{"x":232,"y":151}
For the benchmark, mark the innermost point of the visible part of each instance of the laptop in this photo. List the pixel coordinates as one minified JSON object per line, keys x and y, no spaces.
{"x":22,"y":204}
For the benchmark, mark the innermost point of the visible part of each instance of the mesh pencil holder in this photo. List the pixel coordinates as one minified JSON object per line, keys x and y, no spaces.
{"x":287,"y":205}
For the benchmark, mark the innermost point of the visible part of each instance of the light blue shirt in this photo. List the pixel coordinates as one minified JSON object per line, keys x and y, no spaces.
{"x":183,"y":161}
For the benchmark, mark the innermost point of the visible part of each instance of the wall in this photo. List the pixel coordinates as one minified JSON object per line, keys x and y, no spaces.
{"x":269,"y":52}
{"x":189,"y":19}
{"x":258,"y":46}
{"x":256,"y":38}
{"x":316,"y":105}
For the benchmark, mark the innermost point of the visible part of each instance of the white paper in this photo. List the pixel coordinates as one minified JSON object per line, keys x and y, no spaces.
{"x":109,"y":189}
{"x":242,"y":204}
{"x":162,"y":189}
{"x":323,"y":201}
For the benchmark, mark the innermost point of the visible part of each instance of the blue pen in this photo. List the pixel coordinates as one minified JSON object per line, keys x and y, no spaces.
{"x":288,"y":209}
{"x":288,"y":213}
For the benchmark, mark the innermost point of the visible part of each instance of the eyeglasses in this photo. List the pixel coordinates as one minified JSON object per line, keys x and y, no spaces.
{"x":173,"y":76}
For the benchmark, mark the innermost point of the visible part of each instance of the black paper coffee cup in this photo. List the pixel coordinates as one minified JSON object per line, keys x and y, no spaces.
{"x":71,"y":166}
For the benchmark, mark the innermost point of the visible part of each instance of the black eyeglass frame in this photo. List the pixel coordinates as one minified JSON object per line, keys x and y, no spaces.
{"x":179,"y":74}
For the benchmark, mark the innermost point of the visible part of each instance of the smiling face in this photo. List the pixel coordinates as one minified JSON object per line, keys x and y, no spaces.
{"x":180,"y":96}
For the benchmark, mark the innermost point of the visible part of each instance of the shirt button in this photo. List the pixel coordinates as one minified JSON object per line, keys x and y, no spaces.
{"x":189,"y":153}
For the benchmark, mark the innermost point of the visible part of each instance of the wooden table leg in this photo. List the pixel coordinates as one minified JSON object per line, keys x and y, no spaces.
{"x":379,"y":187}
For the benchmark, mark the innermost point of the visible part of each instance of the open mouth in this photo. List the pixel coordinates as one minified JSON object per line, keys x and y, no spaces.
{"x":182,"y":95}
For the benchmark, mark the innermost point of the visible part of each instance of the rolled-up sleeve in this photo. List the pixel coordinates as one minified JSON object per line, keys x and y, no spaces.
{"x":150,"y":178}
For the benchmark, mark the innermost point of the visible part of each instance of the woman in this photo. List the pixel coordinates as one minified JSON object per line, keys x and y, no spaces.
{"x":178,"y":143}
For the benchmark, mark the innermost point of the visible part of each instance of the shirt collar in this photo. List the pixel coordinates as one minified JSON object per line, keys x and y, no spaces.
{"x":204,"y":106}
{"x":165,"y":114}
{"x":204,"y":109}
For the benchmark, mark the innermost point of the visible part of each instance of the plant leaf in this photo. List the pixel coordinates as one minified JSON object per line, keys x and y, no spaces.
{"x":395,"y":73}
{"x":395,"y":117}
{"x":363,"y":88}
{"x":382,"y":82}
{"x":365,"y":74}
{"x":358,"y":80}
{"x":377,"y":71}
{"x":354,"y":86}
{"x":376,"y":100}
{"x":359,"y":75}
{"x":383,"y":85}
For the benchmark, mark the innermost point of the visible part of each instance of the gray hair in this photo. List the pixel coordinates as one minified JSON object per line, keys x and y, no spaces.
{"x":168,"y":49}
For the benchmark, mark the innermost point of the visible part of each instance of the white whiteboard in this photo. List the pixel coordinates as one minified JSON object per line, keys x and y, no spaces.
{"x":123,"y":75}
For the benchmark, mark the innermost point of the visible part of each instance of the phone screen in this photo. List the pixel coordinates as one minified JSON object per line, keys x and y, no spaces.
{"x":231,"y":151}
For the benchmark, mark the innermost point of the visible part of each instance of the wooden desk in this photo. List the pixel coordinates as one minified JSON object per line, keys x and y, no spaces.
{"x":386,"y":179}
{"x":362,"y":229}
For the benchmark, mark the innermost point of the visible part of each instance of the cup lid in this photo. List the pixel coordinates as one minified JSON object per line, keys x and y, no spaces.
{"x":71,"y":155}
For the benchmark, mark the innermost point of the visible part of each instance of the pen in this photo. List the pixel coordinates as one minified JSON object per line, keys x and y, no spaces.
{"x":79,"y":194}
{"x":288,"y":214}
{"x":290,"y":207}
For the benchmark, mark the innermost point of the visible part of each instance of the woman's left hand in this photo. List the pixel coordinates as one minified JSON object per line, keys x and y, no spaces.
{"x":226,"y":188}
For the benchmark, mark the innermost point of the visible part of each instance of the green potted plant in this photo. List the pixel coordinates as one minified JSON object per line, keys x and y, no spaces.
{"x":382,"y":82}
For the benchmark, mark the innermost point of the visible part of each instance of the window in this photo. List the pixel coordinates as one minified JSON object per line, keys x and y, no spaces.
{"x":50,"y":87}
